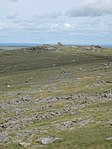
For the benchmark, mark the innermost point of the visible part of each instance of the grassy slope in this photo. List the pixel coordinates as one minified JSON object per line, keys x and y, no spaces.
{"x":64,"y":71}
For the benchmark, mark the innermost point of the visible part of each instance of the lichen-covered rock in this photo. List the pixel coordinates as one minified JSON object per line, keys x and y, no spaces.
{"x":48,"y":140}
{"x":3,"y":138}
{"x":24,"y":144}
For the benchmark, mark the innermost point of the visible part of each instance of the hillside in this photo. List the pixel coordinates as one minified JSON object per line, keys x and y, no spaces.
{"x":57,"y":97}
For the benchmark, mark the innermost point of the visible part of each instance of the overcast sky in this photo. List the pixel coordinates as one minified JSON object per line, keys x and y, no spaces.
{"x":50,"y":21}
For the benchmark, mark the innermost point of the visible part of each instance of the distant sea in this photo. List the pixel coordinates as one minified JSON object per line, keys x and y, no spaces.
{"x":103,"y":45}
{"x":36,"y":44}
{"x":107,"y":45}
{"x":19,"y":44}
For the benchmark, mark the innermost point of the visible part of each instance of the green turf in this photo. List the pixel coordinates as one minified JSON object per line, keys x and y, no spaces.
{"x":40,"y":73}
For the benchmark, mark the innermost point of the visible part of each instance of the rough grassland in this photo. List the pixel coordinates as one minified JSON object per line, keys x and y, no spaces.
{"x":65,"y":93}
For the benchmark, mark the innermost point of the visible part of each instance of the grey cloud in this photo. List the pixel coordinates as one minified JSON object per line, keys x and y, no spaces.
{"x":14,"y":0}
{"x":53,"y":15}
{"x":40,"y":26}
{"x":12,"y":15}
{"x":91,"y":8}
{"x":46,"y":16}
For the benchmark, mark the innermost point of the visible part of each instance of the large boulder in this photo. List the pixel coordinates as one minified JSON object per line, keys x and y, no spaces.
{"x":59,"y":44}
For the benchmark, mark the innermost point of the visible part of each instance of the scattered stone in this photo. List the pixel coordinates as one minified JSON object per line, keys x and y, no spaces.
{"x":48,"y":140}
{"x":50,"y":48}
{"x":109,"y":139}
{"x":59,"y":44}
{"x":24,"y":144}
{"x":101,"y":82}
{"x":18,"y":111}
{"x":107,"y":95}
{"x":98,"y":46}
{"x":3,"y":138}
{"x":18,"y":93}
{"x":22,"y":103}
{"x":106,"y":64}
{"x":109,"y":81}
{"x":74,"y":60}
{"x":84,"y":102}
{"x":93,"y":48}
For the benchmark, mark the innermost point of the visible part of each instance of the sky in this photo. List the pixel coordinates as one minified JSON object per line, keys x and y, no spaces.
{"x":51,"y":21}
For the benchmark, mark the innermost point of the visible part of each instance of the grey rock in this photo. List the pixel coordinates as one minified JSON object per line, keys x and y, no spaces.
{"x":59,"y":44}
{"x":108,"y":95}
{"x":49,"y":140}
{"x":109,"y":81}
{"x":109,"y":139}
{"x":18,"y":111}
{"x":3,"y":138}
{"x":24,"y":144}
